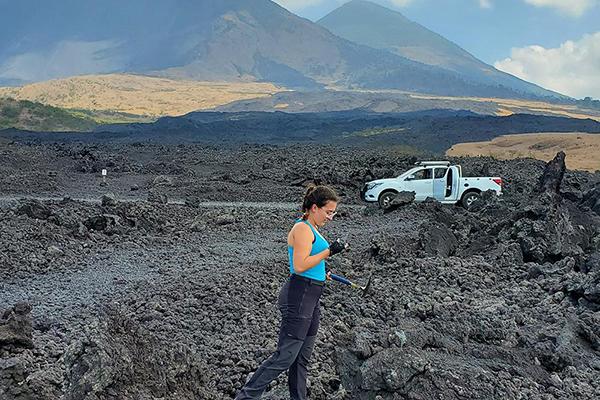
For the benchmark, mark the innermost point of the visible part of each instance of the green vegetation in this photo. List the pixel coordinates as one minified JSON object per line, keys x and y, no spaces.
{"x":37,"y":117}
{"x":404,"y":149}
{"x":110,"y":117}
{"x":27,"y":115}
{"x":377,"y":131}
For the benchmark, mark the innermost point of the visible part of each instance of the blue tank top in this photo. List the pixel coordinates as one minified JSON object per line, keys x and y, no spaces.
{"x":319,"y":244}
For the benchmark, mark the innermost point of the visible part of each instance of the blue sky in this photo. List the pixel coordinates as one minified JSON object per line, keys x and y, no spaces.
{"x":555,"y":43}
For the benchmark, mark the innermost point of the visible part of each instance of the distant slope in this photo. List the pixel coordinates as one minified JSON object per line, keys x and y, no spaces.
{"x":373,"y":25}
{"x":139,"y":95}
{"x":433,"y":130}
{"x":209,"y":40}
{"x":31,"y":116}
{"x":583,"y":149}
{"x":397,"y":102}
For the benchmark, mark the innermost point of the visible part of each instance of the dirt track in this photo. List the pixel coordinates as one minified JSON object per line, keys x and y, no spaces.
{"x":141,"y":300}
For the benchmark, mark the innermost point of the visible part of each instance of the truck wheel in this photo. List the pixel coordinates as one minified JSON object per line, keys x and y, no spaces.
{"x":469,"y":198}
{"x":385,"y":198}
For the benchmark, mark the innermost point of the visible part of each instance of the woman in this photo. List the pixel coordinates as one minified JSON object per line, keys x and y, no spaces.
{"x":299,"y":297}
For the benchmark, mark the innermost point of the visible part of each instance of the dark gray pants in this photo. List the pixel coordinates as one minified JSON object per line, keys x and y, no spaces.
{"x":299,"y":306}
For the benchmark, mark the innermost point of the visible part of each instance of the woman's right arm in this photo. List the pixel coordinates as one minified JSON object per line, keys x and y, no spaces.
{"x":302,"y":242}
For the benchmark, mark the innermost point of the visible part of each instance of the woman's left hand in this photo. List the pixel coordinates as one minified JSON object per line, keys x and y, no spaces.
{"x":337,"y":246}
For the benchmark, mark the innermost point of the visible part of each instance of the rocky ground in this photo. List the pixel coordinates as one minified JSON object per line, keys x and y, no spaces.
{"x":166,"y":288}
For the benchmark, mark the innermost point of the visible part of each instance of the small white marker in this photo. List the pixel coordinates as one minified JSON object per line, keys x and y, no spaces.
{"x":104,"y":173}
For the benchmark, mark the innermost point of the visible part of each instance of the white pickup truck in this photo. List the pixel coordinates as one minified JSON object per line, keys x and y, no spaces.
{"x":435,"y":179}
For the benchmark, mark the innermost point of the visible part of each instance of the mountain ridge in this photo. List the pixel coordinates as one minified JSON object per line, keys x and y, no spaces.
{"x":233,"y":40}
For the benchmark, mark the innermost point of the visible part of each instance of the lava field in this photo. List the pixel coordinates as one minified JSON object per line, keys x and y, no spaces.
{"x":160,"y":281}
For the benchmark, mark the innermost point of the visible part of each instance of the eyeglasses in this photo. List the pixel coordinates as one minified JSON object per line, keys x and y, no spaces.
{"x":330,"y":213}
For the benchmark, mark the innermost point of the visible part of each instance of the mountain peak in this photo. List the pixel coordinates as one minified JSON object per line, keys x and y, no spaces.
{"x":381,"y":28}
{"x":376,"y":26}
{"x":363,"y":3}
{"x":369,"y":7}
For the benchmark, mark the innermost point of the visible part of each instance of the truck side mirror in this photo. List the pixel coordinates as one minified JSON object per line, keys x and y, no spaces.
{"x":410,"y":178}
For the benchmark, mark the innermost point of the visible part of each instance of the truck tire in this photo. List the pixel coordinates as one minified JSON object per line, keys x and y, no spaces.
{"x":385,"y":198}
{"x":469,"y":198}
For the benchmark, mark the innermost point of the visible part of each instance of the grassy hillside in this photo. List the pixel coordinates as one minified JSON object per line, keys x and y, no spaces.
{"x":120,"y":98}
{"x":27,"y":115}
{"x":582,"y":149}
{"x":137,"y":95}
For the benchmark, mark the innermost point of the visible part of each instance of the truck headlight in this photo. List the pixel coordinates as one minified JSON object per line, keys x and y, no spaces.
{"x":373,"y":185}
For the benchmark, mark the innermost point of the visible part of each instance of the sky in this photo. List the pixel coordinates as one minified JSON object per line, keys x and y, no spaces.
{"x":554,"y":43}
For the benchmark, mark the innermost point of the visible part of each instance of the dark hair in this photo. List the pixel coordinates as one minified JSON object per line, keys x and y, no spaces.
{"x":318,"y":195}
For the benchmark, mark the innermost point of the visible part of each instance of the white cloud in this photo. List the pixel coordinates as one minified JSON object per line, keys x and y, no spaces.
{"x":575,"y":8}
{"x":572,"y":69}
{"x":485,"y":3}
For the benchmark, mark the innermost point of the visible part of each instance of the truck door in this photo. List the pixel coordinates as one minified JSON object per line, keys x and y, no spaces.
{"x":452,"y":177}
{"x":439,"y":183}
{"x":420,"y":182}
